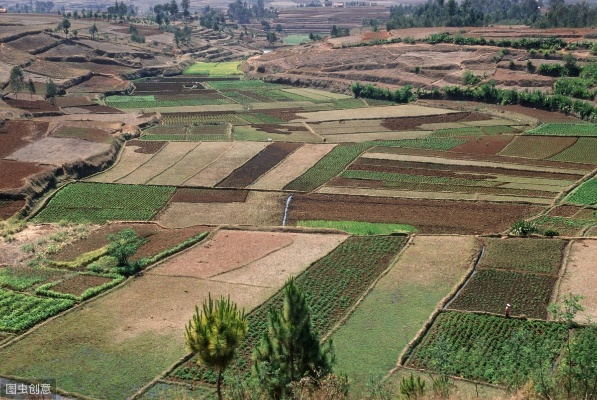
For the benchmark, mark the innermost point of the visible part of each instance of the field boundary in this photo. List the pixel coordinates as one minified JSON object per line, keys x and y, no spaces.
{"x":148,"y":160}
{"x":408,"y":349}
{"x":555,"y":295}
{"x":468,"y":277}
{"x":171,"y":165}
{"x":352,"y":309}
{"x":568,"y":191}
{"x":211,"y":163}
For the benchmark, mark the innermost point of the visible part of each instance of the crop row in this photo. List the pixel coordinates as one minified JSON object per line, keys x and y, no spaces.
{"x":21,"y":311}
{"x":332,"y":286}
{"x":187,"y":138}
{"x":565,"y":130}
{"x":359,"y":227}
{"x":490,"y":290}
{"x":563,"y":225}
{"x":585,"y":194}
{"x":342,"y":155}
{"x":203,"y":119}
{"x":395,"y":177}
{"x":450,"y":132}
{"x":537,"y":147}
{"x":534,"y":255}
{"x":584,"y":151}
{"x":100,"y":202}
{"x":485,"y":347}
{"x":221,"y":69}
{"x":170,"y":103}
{"x":244,"y":85}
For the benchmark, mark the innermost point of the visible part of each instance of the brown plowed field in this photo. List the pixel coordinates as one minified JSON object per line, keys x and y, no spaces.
{"x":259,"y":165}
{"x":480,"y":157}
{"x":14,"y":173}
{"x":187,"y":195}
{"x":538,"y":147}
{"x":490,"y":145}
{"x":287,"y":114}
{"x":429,"y":216}
{"x":159,"y":239}
{"x":99,"y":84}
{"x":410,"y":123}
{"x":396,"y":168}
{"x":16,"y":134}
{"x":101,"y":109}
{"x":79,"y":284}
{"x":564,"y":211}
{"x":413,"y":168}
{"x":31,"y":105}
{"x":146,"y":147}
{"x":8,"y":208}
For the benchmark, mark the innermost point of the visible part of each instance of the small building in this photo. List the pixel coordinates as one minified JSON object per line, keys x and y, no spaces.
{"x":3,"y":10}
{"x":338,"y":4}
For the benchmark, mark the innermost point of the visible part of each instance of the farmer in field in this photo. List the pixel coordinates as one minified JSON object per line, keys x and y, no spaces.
{"x":507,"y":310}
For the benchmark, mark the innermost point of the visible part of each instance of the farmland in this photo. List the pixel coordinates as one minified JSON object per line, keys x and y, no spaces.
{"x":585,"y":194}
{"x":223,"y":69}
{"x":580,"y":275}
{"x":564,"y":130}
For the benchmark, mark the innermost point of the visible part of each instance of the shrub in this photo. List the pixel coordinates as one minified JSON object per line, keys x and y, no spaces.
{"x":551,"y":233}
{"x":103,"y":264}
{"x":523,"y":228}
{"x":468,"y":78}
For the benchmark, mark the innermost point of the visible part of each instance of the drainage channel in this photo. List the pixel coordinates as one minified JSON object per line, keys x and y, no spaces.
{"x":286,"y":210}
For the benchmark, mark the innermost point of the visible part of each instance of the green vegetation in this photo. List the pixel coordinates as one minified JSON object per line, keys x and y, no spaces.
{"x":585,"y":194}
{"x":359,"y":227}
{"x":342,"y":155}
{"x":152,"y":103}
{"x":368,"y":91}
{"x":215,"y":333}
{"x":21,"y":311}
{"x":295,"y":40}
{"x":532,"y":255}
{"x":214,"y":70}
{"x":584,"y":151}
{"x":21,"y":278}
{"x":487,"y":348}
{"x":98,"y":203}
{"x":394,"y":177}
{"x":564,"y":130}
{"x":244,"y":85}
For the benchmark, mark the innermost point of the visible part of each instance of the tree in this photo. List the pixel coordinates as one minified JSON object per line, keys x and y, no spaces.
{"x":51,"y":90}
{"x":64,"y":25}
{"x":271,"y":37}
{"x":215,"y":334}
{"x":185,"y":4}
{"x":123,"y":245}
{"x":16,"y":80}
{"x":93,"y":30}
{"x":31,"y":88}
{"x":290,"y":350}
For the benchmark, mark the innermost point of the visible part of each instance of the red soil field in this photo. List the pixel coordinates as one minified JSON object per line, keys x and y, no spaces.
{"x":101,"y":109}
{"x":413,"y":168}
{"x":14,"y":173}
{"x":541,"y":115}
{"x":429,"y":216}
{"x":78,"y":284}
{"x":188,"y":195}
{"x":250,"y":171}
{"x":31,"y":105}
{"x":491,"y":144}
{"x":481,"y":157}
{"x":410,"y":123}
{"x":146,"y":147}
{"x":159,"y":239}
{"x":369,"y":36}
{"x":99,"y":84}
{"x":564,"y":211}
{"x":8,"y":208}
{"x":16,"y":134}
{"x":73,"y":102}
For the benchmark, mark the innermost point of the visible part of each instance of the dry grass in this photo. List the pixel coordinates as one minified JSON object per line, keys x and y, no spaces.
{"x":293,"y":166}
{"x":408,"y":110}
{"x":129,"y":161}
{"x":58,"y":151}
{"x":370,"y":136}
{"x":581,"y":277}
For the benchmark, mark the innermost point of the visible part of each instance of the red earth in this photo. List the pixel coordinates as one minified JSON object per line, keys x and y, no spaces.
{"x":14,"y":173}
{"x":79,"y":284}
{"x":188,"y":195}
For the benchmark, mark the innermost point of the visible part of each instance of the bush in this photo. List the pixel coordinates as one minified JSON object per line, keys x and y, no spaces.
{"x":551,"y":233}
{"x":103,"y":264}
{"x":468,"y":78}
{"x":523,"y":228}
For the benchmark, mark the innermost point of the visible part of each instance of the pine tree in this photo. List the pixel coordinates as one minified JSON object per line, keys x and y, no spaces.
{"x":31,"y":87}
{"x":16,"y":80}
{"x":290,"y":350}
{"x":215,"y":334}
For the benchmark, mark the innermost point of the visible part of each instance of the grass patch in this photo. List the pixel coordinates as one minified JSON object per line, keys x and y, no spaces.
{"x":100,"y":202}
{"x":214,"y":69}
{"x":295,"y":40}
{"x":359,"y":228}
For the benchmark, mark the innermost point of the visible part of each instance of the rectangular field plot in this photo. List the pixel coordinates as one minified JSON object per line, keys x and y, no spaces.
{"x":171,"y":154}
{"x":219,"y":70}
{"x":565,"y":226}
{"x":259,"y":165}
{"x":238,"y":154}
{"x":369,"y":343}
{"x":315,"y":94}
{"x":584,"y":129}
{"x":584,"y":151}
{"x":526,"y":255}
{"x":332,"y":285}
{"x":373,"y":113}
{"x":275,"y":132}
{"x":259,"y":209}
{"x":135,"y":154}
{"x":98,"y":203}
{"x":581,"y":277}
{"x":292,"y":166}
{"x":537,"y":147}
{"x":481,"y":347}
{"x":489,"y":290}
{"x":585,"y":194}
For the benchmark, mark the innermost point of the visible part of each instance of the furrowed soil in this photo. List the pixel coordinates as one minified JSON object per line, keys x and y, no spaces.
{"x":429,"y":216}
{"x":16,"y":134}
{"x":8,"y":208}
{"x":14,"y":173}
{"x":79,"y":284}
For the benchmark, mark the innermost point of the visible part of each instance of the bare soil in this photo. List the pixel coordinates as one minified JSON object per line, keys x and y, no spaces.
{"x":564,"y":211}
{"x":146,"y":147}
{"x":79,"y":284}
{"x":58,"y":151}
{"x":581,"y":276}
{"x":15,"y":134}
{"x":188,"y":195}
{"x":14,"y":173}
{"x":99,"y":84}
{"x":31,"y":105}
{"x":430,"y":216}
{"x":410,"y":123}
{"x":8,"y":208}
{"x":259,"y":165}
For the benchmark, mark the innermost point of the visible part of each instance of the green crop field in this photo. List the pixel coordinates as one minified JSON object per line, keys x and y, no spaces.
{"x":215,"y":70}
{"x":98,"y":203}
{"x":584,"y":129}
{"x":21,"y":278}
{"x":342,"y":155}
{"x":526,"y":255}
{"x":584,"y":151}
{"x":537,"y":147}
{"x":295,"y":40}
{"x":332,"y":286}
{"x":203,"y":119}
{"x":563,"y":225}
{"x":489,"y":290}
{"x":244,"y":85}
{"x":585,"y":194}
{"x":358,"y":227}
{"x":485,"y":347}
{"x":394,"y":177}
{"x":167,"y":103}
{"x":21,"y":311}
